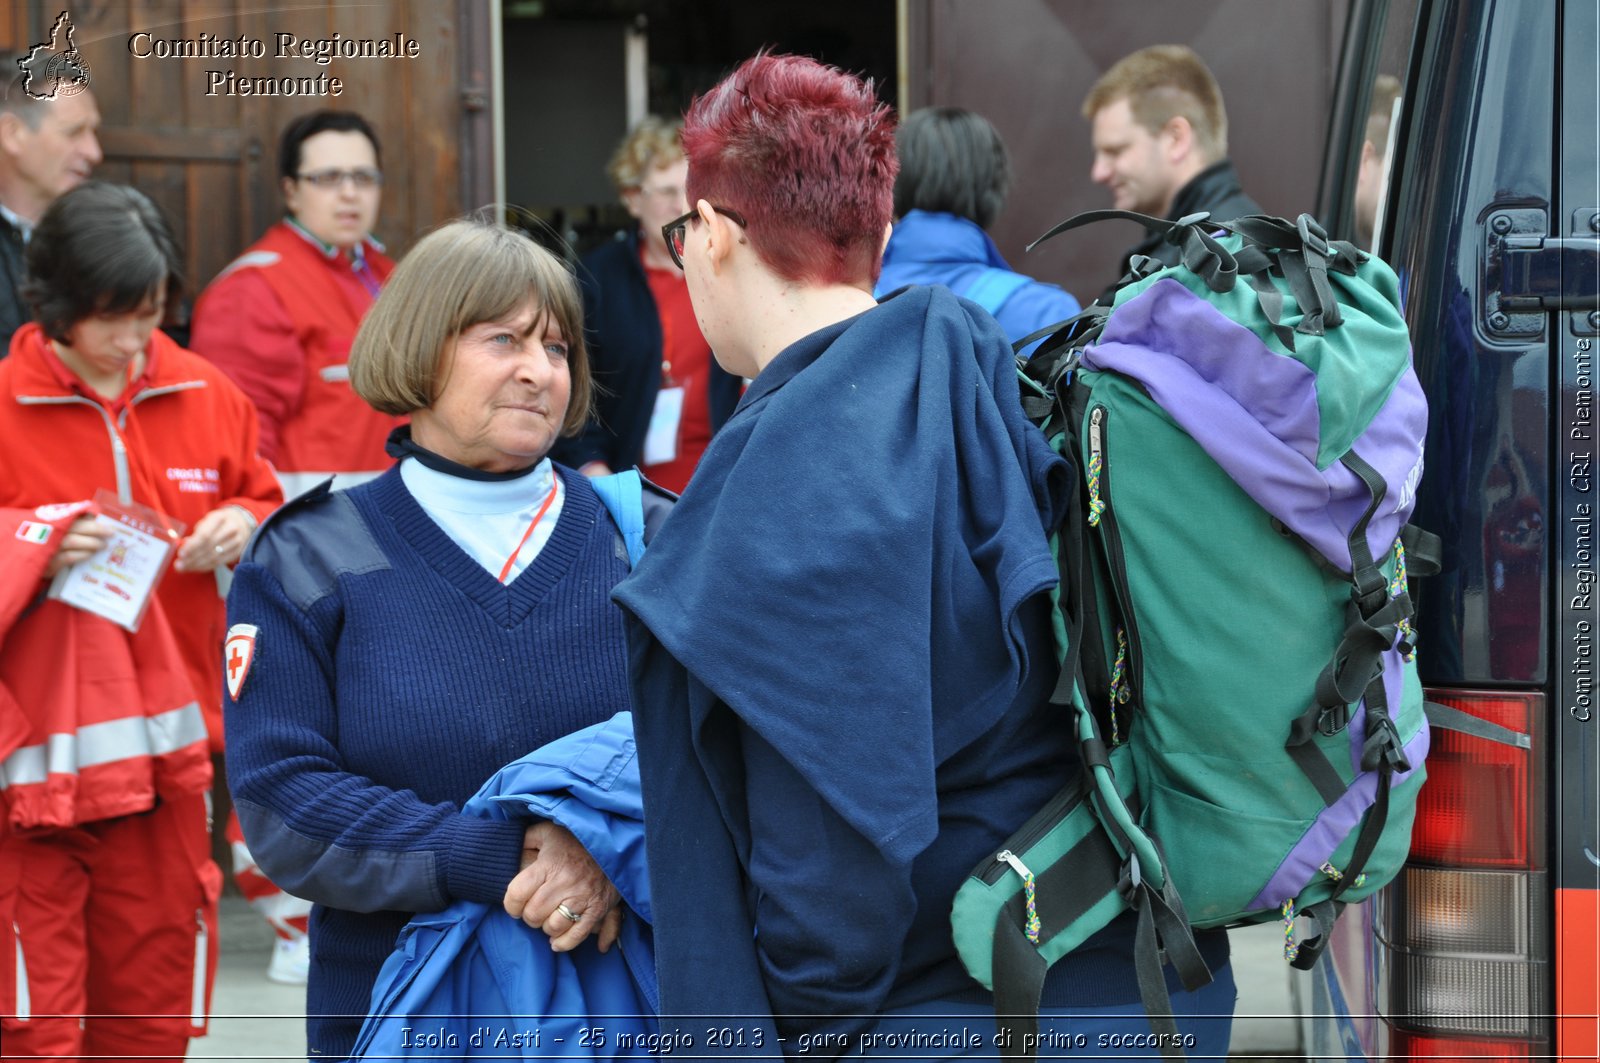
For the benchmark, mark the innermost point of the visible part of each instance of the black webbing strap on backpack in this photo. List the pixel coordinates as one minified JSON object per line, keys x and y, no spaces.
{"x":1090,"y":870}
{"x":1446,"y":718}
{"x":1357,"y":663}
{"x":1356,"y":673}
{"x":1064,"y":891}
{"x":1310,"y":949}
{"x":1299,"y":252}
{"x":1197,"y":248}
{"x":1051,"y":365}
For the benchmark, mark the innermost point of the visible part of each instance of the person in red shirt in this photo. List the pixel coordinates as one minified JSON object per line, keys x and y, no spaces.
{"x":106,"y":878}
{"x":661,"y":394}
{"x":280,"y":319}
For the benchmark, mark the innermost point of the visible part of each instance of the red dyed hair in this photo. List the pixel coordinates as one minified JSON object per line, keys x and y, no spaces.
{"x":806,"y":153}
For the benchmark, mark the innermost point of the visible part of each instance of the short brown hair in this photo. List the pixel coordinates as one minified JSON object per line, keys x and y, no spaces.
{"x":457,"y":276}
{"x":653,"y":143}
{"x":1163,"y":82}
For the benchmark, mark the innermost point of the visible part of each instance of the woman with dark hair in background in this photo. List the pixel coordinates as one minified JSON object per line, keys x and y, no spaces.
{"x":952,"y":185}
{"x":105,"y":859}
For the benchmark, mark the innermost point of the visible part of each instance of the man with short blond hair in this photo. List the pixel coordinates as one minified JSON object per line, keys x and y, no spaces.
{"x":1161,"y":142}
{"x":46,"y":147}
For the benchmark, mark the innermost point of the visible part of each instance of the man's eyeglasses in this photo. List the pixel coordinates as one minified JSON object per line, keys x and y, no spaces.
{"x":673,"y":231}
{"x":363,"y":178}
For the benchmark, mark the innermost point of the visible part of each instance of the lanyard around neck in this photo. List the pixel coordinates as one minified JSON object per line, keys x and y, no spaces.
{"x":532,"y":524}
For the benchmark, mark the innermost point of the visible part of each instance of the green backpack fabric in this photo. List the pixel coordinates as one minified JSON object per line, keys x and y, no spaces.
{"x":1233,"y":623}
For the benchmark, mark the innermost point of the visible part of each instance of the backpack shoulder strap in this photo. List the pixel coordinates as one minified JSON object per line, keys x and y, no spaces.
{"x":637,"y":507}
{"x":993,"y":287}
{"x":623,"y":496}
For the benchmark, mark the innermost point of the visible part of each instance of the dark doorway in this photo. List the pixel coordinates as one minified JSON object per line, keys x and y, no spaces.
{"x":577,"y":71}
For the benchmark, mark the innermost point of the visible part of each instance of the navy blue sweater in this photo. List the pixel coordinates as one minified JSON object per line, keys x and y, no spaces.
{"x":393,"y":675}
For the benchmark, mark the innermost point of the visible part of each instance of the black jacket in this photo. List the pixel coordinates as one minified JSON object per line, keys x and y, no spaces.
{"x":622,"y":330}
{"x":14,"y":311}
{"x":1215,"y":189}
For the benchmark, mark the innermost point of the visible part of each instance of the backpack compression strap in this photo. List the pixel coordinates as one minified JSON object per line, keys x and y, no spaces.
{"x":1356,"y":673}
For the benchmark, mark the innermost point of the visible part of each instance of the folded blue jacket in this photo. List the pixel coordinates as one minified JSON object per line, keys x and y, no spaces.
{"x":472,"y":981}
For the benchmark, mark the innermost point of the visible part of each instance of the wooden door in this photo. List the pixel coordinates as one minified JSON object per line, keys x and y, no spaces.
{"x":194,"y":124}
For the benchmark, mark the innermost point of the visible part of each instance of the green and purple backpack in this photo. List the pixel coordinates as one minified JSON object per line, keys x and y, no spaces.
{"x":1233,"y":619}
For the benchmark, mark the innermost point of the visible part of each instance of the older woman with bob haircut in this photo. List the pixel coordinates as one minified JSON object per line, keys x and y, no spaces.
{"x":841,"y":644}
{"x":394,"y":644}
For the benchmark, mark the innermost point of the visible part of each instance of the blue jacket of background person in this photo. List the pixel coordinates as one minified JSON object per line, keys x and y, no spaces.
{"x":472,"y":981}
{"x":934,"y":248}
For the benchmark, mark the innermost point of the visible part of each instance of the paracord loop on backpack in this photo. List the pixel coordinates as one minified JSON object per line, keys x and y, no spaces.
{"x":1097,"y":505}
{"x":1338,"y":876}
{"x":1404,"y":636}
{"x":1120,"y":690}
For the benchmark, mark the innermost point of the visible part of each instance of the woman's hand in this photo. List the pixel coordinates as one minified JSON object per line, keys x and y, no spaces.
{"x":219,"y":538}
{"x":85,"y":537}
{"x":558,"y":872}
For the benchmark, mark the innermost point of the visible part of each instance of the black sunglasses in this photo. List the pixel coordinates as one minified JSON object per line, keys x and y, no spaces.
{"x":673,"y":231}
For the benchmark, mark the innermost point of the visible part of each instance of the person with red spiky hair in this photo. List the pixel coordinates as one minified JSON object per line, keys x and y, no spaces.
{"x":840,"y":643}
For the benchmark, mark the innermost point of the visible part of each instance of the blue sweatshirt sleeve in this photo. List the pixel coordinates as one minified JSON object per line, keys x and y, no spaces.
{"x":811,"y":870}
{"x":317,"y":829}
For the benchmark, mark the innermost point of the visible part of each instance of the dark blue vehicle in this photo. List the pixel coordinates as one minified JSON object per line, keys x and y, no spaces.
{"x":1487,"y":113}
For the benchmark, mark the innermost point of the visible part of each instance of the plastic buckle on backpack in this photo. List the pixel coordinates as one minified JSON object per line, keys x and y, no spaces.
{"x":1383,"y":748}
{"x":1192,"y":219}
{"x":1313,"y":236}
{"x":1142,"y":266}
{"x":1131,"y":882}
{"x":1333,"y":719}
{"x":1369,"y":589}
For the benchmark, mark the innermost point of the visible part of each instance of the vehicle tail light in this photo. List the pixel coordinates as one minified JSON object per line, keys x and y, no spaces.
{"x":1483,"y":802}
{"x":1464,"y":929}
{"x":1454,"y":1049}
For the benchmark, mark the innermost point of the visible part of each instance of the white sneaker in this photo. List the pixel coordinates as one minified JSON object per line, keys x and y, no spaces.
{"x":290,"y":960}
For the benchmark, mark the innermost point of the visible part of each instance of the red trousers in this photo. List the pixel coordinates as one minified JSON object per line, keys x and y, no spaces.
{"x":111,"y":936}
